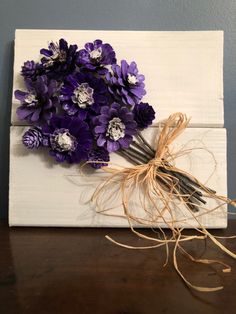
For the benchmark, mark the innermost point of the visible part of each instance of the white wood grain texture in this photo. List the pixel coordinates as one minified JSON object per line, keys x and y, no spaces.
{"x":44,"y":193}
{"x":183,"y":70}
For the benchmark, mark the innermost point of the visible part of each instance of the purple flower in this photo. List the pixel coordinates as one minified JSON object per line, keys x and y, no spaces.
{"x":39,"y":102}
{"x":125,"y":83}
{"x":144,"y":114}
{"x":31,"y":70}
{"x":83,"y":93}
{"x":32,"y":138}
{"x":69,"y":139}
{"x":96,"y":56}
{"x":114,"y":127}
{"x":98,"y":154}
{"x":59,"y":59}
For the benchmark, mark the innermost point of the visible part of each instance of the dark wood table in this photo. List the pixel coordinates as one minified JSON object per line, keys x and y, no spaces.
{"x":66,"y":270}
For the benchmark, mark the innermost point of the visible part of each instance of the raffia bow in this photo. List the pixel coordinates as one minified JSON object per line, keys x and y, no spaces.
{"x":161,"y":189}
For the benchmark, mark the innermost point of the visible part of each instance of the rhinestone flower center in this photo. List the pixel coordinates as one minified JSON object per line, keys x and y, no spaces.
{"x":96,"y":54}
{"x":115,"y":129}
{"x":31,"y":100}
{"x":132,"y":79}
{"x":63,"y":141}
{"x":83,"y":95}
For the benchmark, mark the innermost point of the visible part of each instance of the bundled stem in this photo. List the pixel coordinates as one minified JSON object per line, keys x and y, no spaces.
{"x":139,"y":153}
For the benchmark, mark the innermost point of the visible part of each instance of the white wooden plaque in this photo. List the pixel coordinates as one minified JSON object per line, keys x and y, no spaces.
{"x":184,"y":72}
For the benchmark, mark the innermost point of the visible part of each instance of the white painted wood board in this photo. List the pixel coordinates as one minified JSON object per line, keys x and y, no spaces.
{"x":44,"y":193}
{"x":183,"y":70}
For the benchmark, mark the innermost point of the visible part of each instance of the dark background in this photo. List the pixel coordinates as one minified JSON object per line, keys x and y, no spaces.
{"x":115,"y":15}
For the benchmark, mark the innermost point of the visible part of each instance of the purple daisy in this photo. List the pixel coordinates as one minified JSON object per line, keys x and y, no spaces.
{"x":144,"y":114}
{"x":115,"y":127}
{"x":31,"y":70}
{"x":69,"y":139}
{"x":125,"y":83}
{"x":98,"y":154}
{"x":39,"y":103}
{"x":83,"y":93}
{"x":96,"y":56}
{"x":59,"y":59}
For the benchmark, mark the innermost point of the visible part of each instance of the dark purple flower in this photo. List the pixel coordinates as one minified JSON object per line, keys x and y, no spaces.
{"x":59,"y":59}
{"x":39,"y":103}
{"x":98,"y":154}
{"x":144,"y":114}
{"x":125,"y":83}
{"x":83,"y":93}
{"x":115,"y":127}
{"x":31,"y":70}
{"x":32,"y":138}
{"x":96,"y":56}
{"x":69,"y":139}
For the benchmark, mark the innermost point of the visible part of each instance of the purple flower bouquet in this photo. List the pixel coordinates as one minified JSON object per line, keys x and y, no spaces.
{"x":82,"y":106}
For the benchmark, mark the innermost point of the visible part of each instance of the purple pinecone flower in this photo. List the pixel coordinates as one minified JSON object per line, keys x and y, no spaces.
{"x":115,"y":127}
{"x":33,"y":138}
{"x":98,"y":154}
{"x":96,"y":56}
{"x":83,"y":93}
{"x":59,"y":59}
{"x":31,"y":70}
{"x":39,"y":103}
{"x":125,"y":83}
{"x":69,"y":139}
{"x":144,"y":114}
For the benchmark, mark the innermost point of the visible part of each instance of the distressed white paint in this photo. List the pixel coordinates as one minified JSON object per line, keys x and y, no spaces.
{"x":183,"y":70}
{"x":44,"y":193}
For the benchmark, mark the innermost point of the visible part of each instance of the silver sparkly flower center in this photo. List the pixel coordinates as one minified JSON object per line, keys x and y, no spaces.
{"x":31,"y":100}
{"x":115,"y":129}
{"x":63,"y":141}
{"x":83,"y":95}
{"x":132,"y":79}
{"x":96,"y":54}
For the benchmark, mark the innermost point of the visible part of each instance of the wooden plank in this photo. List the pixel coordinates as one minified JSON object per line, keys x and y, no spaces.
{"x":44,"y":193}
{"x":184,"y":70}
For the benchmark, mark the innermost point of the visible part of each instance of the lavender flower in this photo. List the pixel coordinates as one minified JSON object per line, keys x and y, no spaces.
{"x":125,"y":83}
{"x":83,"y":93}
{"x":114,"y":127}
{"x":96,"y":56}
{"x":98,"y":154}
{"x":39,"y":103}
{"x":69,"y":139}
{"x":59,"y":59}
{"x":31,"y":70}
{"x":32,"y":138}
{"x":144,"y":114}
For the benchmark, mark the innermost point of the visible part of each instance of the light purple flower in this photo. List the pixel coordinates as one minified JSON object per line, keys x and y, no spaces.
{"x":115,"y":127}
{"x":125,"y":83}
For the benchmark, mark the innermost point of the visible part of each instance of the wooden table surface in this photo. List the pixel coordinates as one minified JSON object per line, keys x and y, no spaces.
{"x":66,"y":270}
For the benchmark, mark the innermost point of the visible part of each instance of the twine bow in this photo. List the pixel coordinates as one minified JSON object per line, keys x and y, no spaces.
{"x":155,"y":184}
